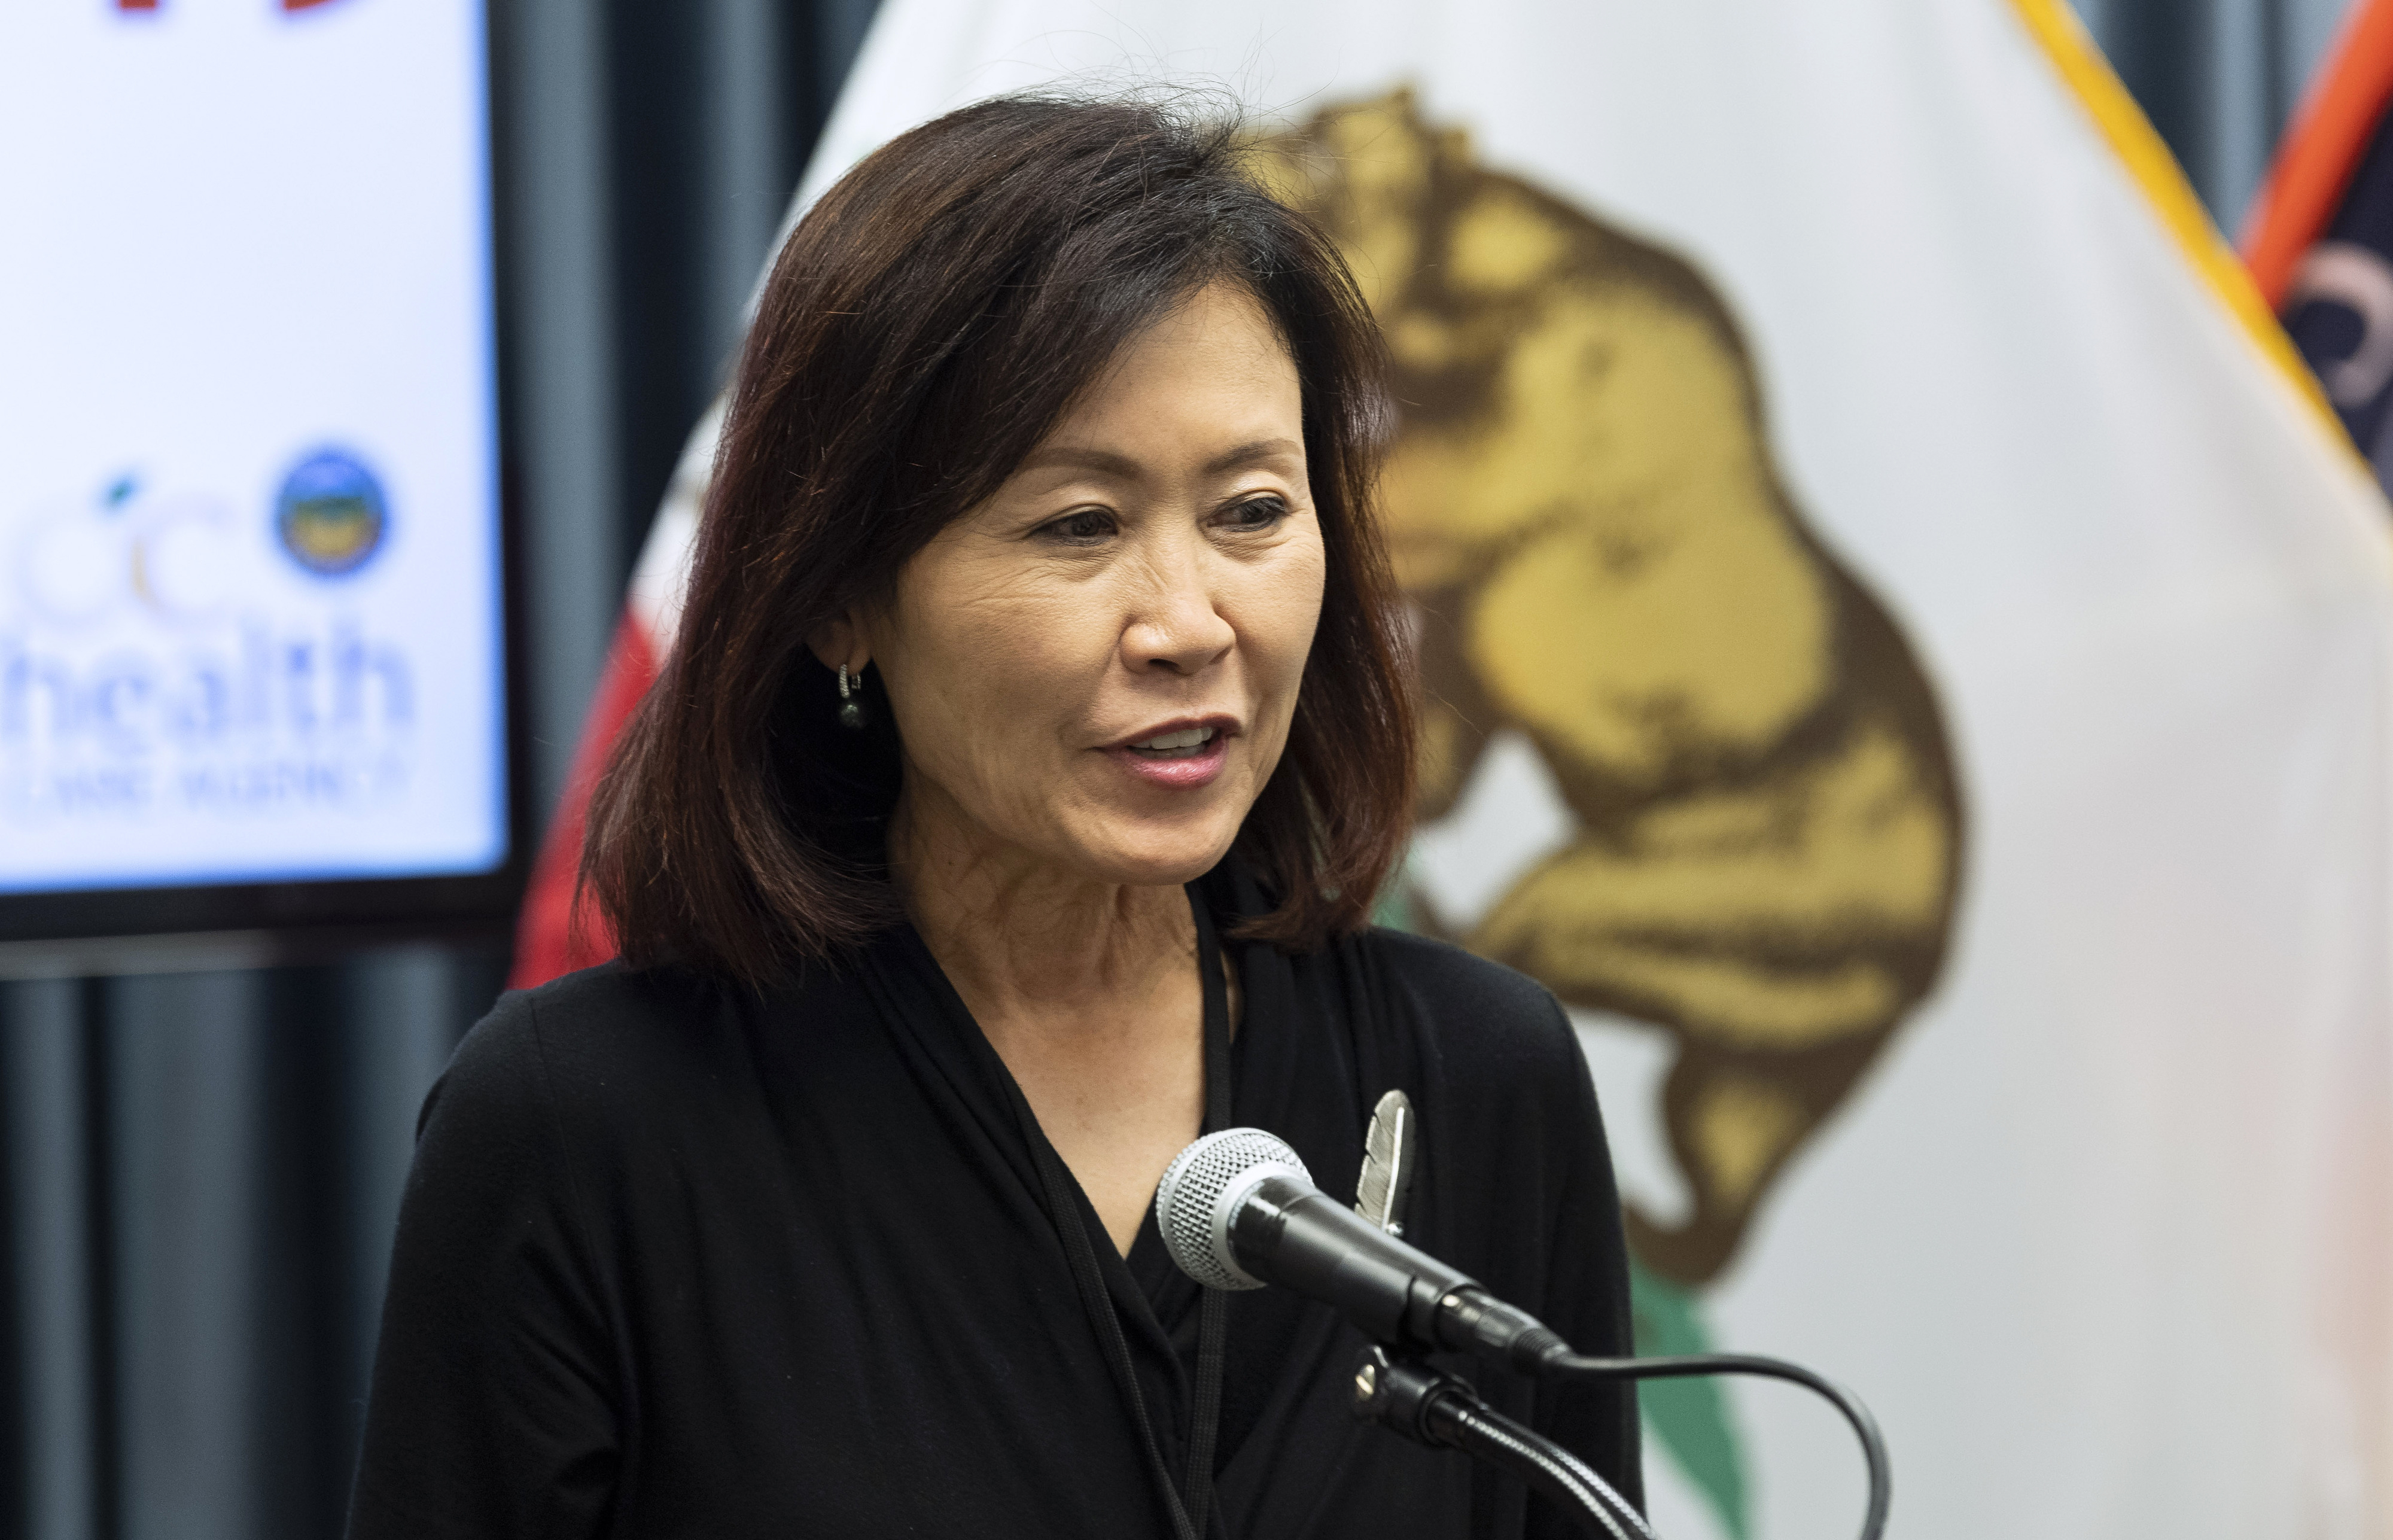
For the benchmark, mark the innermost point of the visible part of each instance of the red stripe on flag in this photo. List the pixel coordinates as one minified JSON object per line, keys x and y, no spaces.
{"x":2321,"y":150}
{"x":547,"y":940}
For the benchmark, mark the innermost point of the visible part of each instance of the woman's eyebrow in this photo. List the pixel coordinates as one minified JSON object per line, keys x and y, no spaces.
{"x":1068,"y":457}
{"x":1106,"y":463}
{"x":1252,"y":453}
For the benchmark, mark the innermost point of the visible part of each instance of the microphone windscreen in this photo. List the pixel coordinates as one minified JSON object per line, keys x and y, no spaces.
{"x":1200,"y":1193}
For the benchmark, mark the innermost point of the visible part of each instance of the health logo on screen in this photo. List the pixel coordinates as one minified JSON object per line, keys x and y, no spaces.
{"x":157,"y":663}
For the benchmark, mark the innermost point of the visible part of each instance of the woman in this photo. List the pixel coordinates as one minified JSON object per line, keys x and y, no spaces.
{"x":1038,"y":734}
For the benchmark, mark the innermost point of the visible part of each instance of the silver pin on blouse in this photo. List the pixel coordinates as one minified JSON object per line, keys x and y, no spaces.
{"x":1391,"y":1150}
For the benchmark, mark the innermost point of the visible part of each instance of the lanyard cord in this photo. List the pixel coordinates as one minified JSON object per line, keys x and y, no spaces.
{"x":1213,"y":1314}
{"x":1191,"y":1508}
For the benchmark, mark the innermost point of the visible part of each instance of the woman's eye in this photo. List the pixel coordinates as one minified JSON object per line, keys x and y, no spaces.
{"x":1086,"y":526}
{"x":1255,"y":512}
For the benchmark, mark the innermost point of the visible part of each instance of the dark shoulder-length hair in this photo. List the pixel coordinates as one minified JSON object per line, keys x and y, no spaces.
{"x":925,"y":326}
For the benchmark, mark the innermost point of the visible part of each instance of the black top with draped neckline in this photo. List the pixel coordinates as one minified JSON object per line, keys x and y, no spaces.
{"x":677,"y":1259}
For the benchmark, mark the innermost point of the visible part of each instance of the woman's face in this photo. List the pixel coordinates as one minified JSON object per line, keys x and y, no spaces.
{"x":1096,"y":668}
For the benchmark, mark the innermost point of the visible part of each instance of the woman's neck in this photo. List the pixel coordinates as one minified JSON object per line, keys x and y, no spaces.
{"x":1021,"y":937}
{"x":1088,"y":991}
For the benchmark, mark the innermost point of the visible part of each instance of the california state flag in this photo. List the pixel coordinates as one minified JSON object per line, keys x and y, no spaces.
{"x":1909,"y":667}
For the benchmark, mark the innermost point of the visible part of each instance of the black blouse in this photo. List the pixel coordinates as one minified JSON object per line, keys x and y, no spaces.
{"x":679,"y":1260}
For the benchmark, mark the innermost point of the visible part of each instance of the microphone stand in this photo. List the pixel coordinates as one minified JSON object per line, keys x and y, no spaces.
{"x":1407,"y":1396}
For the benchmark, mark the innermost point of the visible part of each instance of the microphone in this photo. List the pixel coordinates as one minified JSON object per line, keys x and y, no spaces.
{"x":1239,"y":1210}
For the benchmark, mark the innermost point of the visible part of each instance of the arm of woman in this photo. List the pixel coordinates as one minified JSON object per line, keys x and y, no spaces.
{"x":1588,"y":1300}
{"x":493,"y":1410}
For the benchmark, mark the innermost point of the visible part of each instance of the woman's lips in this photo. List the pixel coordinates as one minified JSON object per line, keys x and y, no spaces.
{"x":1184,"y":771}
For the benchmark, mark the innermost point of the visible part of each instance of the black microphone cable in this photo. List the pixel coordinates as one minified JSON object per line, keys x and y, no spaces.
{"x":1571,"y":1365}
{"x":1407,"y":1395}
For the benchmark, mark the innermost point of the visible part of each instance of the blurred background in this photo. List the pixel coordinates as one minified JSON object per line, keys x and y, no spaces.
{"x":203,"y":1140}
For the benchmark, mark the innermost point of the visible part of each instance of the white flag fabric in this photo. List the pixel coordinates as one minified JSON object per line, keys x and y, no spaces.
{"x":1910,"y":669}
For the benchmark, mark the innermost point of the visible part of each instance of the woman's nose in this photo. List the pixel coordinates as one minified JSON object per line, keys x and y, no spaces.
{"x":1176,"y":624}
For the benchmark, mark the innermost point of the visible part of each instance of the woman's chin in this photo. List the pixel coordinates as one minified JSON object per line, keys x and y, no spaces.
{"x":1144,"y":856}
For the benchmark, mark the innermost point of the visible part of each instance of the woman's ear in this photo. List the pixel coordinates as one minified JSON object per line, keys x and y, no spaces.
{"x":841,"y":640}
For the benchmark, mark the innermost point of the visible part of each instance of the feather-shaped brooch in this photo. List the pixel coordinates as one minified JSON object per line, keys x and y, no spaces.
{"x":1390,"y":1147}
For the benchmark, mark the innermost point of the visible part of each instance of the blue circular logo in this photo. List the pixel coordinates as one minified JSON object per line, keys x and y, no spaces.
{"x":331,"y":514}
